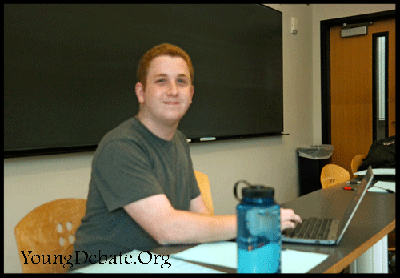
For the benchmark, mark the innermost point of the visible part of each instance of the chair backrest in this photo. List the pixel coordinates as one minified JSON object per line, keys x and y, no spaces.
{"x":332,"y":174}
{"x":204,"y":185}
{"x":356,"y":162}
{"x":45,"y":235}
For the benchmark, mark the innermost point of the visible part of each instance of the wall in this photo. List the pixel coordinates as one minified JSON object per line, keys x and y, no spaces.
{"x":272,"y":161}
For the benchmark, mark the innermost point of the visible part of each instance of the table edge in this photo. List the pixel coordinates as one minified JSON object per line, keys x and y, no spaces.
{"x":339,"y":266}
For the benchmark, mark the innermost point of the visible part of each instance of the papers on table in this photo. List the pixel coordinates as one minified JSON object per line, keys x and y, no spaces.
{"x":300,"y":262}
{"x":379,"y":171}
{"x":384,"y":181}
{"x":144,"y":262}
{"x":380,"y":186}
{"x":221,"y":253}
{"x":225,"y":254}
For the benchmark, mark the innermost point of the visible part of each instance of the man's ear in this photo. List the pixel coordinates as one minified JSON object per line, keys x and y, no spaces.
{"x":139,"y":90}
{"x":191,"y":92}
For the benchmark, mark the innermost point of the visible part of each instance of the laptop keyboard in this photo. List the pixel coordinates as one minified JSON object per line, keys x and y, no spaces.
{"x":311,"y":228}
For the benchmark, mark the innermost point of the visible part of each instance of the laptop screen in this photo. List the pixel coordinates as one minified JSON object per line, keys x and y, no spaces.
{"x":352,"y":207}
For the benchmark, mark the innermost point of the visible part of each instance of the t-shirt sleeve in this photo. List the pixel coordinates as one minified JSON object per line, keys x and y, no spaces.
{"x":194,"y":189}
{"x":124,"y":174}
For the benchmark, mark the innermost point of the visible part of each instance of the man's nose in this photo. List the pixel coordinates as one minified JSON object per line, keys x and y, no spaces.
{"x":173,"y":88}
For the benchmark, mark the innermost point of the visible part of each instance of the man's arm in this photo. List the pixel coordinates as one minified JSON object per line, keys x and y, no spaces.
{"x":170,"y":226}
{"x":197,"y":205}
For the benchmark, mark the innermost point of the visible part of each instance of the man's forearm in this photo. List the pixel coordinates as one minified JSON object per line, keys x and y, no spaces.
{"x":188,"y":227}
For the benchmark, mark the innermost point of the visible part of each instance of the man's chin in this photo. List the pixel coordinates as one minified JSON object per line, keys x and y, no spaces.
{"x":172,"y":121}
{"x":174,"y":117}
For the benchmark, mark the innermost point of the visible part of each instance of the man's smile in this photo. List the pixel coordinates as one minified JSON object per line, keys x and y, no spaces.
{"x":171,"y":102}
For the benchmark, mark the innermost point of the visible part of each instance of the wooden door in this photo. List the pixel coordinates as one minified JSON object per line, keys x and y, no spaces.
{"x":351,"y":91}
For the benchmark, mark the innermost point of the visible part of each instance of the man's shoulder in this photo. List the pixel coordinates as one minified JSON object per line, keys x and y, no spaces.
{"x":128,"y":134}
{"x":180,"y":136}
{"x":127,"y":129}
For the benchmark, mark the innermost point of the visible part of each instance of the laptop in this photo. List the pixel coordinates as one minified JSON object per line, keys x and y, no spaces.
{"x":328,"y":231}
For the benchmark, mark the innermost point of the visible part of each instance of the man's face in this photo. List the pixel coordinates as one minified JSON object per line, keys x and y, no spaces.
{"x":168,"y":93}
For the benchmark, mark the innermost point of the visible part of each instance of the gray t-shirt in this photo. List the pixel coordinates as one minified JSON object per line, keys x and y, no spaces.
{"x":131,"y":163}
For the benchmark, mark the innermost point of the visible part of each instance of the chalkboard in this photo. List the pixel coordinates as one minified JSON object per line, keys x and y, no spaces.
{"x":70,"y":70}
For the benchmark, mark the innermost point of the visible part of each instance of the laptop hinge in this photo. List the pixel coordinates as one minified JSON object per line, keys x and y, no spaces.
{"x":333,"y":232}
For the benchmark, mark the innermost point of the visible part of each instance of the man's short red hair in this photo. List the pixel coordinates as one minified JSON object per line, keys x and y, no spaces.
{"x":162,"y":49}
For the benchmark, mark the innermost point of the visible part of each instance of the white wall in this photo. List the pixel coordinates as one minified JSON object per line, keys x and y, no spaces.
{"x":272,"y":161}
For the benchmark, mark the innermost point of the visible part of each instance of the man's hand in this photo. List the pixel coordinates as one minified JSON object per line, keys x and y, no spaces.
{"x":288,"y":219}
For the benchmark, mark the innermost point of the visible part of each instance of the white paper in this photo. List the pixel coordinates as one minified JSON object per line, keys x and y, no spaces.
{"x":379,"y":171}
{"x":219,"y":253}
{"x":225,"y":254}
{"x":378,"y":186}
{"x":300,"y":262}
{"x":141,"y":262}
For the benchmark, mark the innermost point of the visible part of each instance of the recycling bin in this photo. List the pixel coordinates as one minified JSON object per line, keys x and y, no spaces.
{"x":311,"y":160}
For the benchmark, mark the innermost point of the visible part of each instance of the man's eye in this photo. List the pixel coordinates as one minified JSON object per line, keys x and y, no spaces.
{"x":160,"y":80}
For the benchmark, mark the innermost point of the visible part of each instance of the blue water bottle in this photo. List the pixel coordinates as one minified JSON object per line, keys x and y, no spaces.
{"x":259,"y":235}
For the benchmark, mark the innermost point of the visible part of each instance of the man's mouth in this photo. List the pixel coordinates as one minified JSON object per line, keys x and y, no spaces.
{"x":171,"y":102}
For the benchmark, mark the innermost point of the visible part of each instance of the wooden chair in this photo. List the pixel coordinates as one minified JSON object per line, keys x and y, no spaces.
{"x":332,"y":174}
{"x":48,"y":231}
{"x":356,"y":162}
{"x":204,"y":185}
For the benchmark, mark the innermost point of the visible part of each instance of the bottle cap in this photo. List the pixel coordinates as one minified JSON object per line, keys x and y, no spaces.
{"x":257,"y":192}
{"x":253,"y":191}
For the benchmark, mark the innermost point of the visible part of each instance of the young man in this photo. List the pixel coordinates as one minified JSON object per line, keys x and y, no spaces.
{"x":143,"y":191}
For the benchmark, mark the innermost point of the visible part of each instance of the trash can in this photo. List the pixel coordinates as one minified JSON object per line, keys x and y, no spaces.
{"x":311,"y":161}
